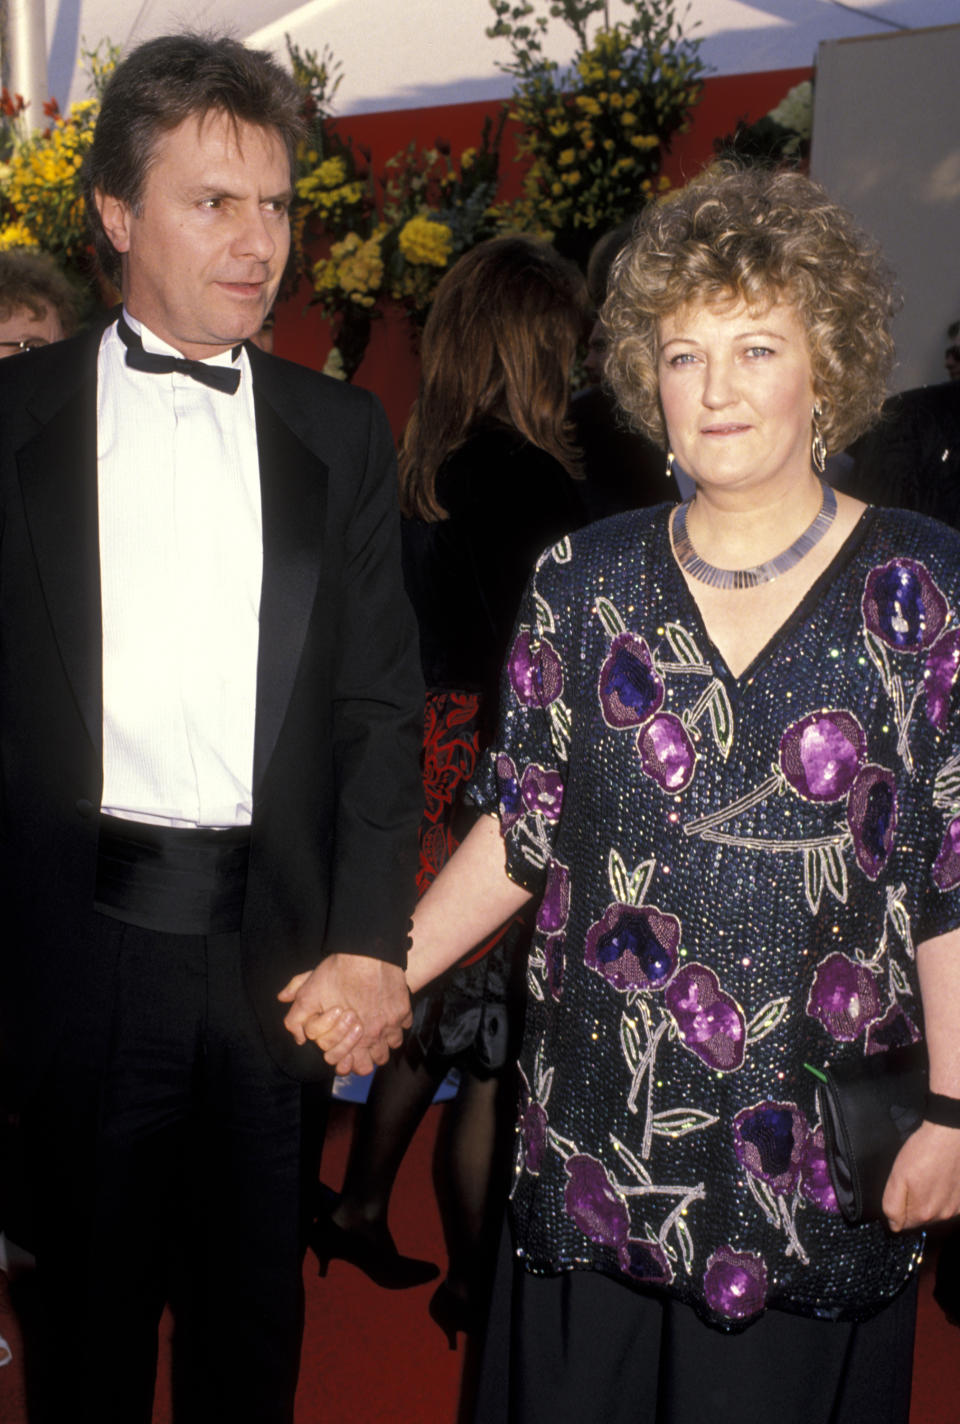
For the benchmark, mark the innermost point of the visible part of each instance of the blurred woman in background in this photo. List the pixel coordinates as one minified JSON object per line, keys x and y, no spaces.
{"x":486,"y":472}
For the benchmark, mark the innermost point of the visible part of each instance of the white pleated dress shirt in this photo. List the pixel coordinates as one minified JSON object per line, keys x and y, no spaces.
{"x":181,"y":560}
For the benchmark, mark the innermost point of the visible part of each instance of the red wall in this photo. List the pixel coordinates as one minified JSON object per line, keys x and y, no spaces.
{"x":390,"y":365}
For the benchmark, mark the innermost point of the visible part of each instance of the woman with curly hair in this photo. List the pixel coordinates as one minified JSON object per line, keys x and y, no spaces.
{"x":487,"y":466}
{"x":728,"y":770}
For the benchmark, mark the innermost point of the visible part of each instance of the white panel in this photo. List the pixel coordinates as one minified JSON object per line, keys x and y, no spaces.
{"x":886,"y":143}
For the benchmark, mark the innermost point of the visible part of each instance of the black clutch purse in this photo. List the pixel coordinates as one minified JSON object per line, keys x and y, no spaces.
{"x":868,"y":1109}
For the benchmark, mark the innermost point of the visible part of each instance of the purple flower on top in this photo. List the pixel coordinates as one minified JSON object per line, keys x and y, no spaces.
{"x":902,"y":605}
{"x":647,"y":1261}
{"x":844,"y":997}
{"x":630,"y":688}
{"x":769,"y":1140}
{"x":633,"y":947}
{"x":711,"y":1024}
{"x":554,"y":954}
{"x":735,"y":1283}
{"x":940,"y":673}
{"x":555,"y":905}
{"x":533,"y":1134}
{"x":542,"y":790}
{"x":815,"y":1183}
{"x":894,"y":1030}
{"x":666,"y":752}
{"x":591,"y":1201}
{"x":821,"y":754}
{"x":872,"y":817}
{"x":508,"y":790}
{"x":946,"y":867}
{"x":535,"y":670}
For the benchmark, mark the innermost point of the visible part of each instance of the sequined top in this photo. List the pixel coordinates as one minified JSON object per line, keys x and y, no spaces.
{"x":733,"y":876}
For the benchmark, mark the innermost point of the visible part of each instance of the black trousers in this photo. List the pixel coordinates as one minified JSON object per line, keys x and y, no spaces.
{"x":171,"y":1161}
{"x":580,"y":1348}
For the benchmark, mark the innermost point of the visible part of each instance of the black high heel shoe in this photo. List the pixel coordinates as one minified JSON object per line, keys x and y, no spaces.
{"x":380,"y":1260}
{"x":452,"y":1313}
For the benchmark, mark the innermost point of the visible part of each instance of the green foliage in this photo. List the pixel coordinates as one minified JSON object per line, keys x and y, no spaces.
{"x":781,"y":137}
{"x":102,"y":60}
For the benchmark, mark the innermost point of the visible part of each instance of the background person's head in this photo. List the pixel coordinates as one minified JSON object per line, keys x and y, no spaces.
{"x":38,"y":305}
{"x":755,"y":237}
{"x":192,"y":160}
{"x":498,"y":348}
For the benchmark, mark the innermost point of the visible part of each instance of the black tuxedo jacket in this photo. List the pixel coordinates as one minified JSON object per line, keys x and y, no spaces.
{"x":337,"y":790}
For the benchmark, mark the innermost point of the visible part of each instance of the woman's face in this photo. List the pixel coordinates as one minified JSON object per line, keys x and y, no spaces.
{"x":736,"y":387}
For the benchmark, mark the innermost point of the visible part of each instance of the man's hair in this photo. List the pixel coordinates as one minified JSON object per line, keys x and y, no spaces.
{"x":161,"y":84}
{"x":33,"y":280}
{"x":497,"y":348}
{"x":760,"y":236}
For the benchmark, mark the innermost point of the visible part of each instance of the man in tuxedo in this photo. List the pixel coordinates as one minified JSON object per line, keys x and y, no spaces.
{"x":210,"y":712}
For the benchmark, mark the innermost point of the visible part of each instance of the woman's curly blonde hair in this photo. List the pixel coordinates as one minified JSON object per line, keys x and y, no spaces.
{"x":760,"y":236}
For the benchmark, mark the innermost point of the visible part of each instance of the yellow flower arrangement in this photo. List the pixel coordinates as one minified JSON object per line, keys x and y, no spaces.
{"x":593,"y":136}
{"x":41,"y":204}
{"x":353,"y":271}
{"x":330,"y":187}
{"x":41,"y":184}
{"x":16,"y":234}
{"x":426,"y":242}
{"x":431,"y":211}
{"x":592,"y":139}
{"x":332,"y":172}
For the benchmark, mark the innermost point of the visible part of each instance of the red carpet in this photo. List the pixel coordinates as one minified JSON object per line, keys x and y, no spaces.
{"x":376,"y":1357}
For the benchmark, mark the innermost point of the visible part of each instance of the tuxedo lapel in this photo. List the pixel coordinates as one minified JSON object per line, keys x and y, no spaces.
{"x":293,"y":489}
{"x":57,"y":468}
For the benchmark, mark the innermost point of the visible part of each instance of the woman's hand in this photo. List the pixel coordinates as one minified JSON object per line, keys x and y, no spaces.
{"x":924,"y":1185}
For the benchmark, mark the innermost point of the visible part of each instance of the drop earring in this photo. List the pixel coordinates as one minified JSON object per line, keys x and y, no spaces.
{"x":818,"y":449}
{"x":670,"y":474}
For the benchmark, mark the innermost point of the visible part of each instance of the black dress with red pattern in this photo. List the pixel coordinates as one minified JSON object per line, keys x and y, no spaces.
{"x":507,"y":500}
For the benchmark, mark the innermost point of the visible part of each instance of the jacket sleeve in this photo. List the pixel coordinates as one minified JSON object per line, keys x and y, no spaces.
{"x":377,"y":711}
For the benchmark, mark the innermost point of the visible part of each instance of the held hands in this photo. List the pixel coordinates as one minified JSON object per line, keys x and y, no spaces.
{"x":352,"y":1007}
{"x":924,"y":1185}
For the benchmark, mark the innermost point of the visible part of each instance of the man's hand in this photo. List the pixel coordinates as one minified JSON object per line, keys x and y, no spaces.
{"x":924,"y":1185}
{"x":353,"y":1007}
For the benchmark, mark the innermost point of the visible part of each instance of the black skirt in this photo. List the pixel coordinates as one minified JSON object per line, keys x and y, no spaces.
{"x":582,"y":1348}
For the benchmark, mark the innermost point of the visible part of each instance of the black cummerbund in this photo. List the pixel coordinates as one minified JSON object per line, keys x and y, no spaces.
{"x":181,"y":880}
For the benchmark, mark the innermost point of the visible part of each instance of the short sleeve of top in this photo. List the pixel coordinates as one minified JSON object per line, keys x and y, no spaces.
{"x":911,"y":611}
{"x":733,"y":875}
{"x":523,"y":778}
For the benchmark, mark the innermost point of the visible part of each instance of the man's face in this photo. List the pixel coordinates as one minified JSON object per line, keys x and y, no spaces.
{"x":22,"y":329}
{"x":203,"y":259}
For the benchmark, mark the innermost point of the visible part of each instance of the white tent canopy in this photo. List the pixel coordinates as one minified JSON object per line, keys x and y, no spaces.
{"x":416,"y":53}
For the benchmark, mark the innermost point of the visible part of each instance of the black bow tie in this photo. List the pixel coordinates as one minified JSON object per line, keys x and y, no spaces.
{"x":219,"y":378}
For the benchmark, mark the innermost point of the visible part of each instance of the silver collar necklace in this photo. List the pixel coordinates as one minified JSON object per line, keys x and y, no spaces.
{"x":692,"y":564}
